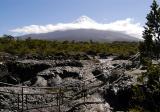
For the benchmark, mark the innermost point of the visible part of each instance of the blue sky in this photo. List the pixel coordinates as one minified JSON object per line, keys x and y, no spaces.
{"x":19,"y":13}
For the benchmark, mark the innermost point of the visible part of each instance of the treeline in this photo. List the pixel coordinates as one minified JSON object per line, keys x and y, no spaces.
{"x":44,"y":47}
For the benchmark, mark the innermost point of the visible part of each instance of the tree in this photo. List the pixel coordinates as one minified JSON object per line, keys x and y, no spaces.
{"x":151,"y":33}
{"x":8,"y":37}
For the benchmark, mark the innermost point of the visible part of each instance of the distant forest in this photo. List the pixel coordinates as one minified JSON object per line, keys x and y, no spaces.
{"x":8,"y":44}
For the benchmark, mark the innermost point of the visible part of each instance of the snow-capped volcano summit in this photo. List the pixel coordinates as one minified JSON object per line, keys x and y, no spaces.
{"x":84,"y":29}
{"x":84,"y":19}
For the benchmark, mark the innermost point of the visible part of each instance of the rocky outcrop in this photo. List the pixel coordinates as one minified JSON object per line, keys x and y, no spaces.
{"x":72,"y":63}
{"x":93,"y":103}
{"x":104,"y":88}
{"x":20,"y":71}
{"x":24,"y":70}
{"x":119,"y":92}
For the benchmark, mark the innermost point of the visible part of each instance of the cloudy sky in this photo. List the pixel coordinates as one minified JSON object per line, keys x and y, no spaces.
{"x":40,"y":16}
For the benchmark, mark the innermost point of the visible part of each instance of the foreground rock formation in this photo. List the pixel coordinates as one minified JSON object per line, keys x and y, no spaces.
{"x":86,"y":85}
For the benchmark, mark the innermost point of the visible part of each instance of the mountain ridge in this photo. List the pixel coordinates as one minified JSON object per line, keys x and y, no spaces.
{"x":83,"y":35}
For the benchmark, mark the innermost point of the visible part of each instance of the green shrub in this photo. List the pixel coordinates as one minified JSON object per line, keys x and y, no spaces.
{"x":45,"y":47}
{"x":147,"y":96}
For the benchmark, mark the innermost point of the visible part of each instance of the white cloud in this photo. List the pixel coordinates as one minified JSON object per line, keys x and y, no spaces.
{"x":128,"y":26}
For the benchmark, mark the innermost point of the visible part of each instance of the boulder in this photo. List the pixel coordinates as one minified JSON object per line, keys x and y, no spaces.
{"x":40,"y":82}
{"x":25,"y":70}
{"x":52,"y":76}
